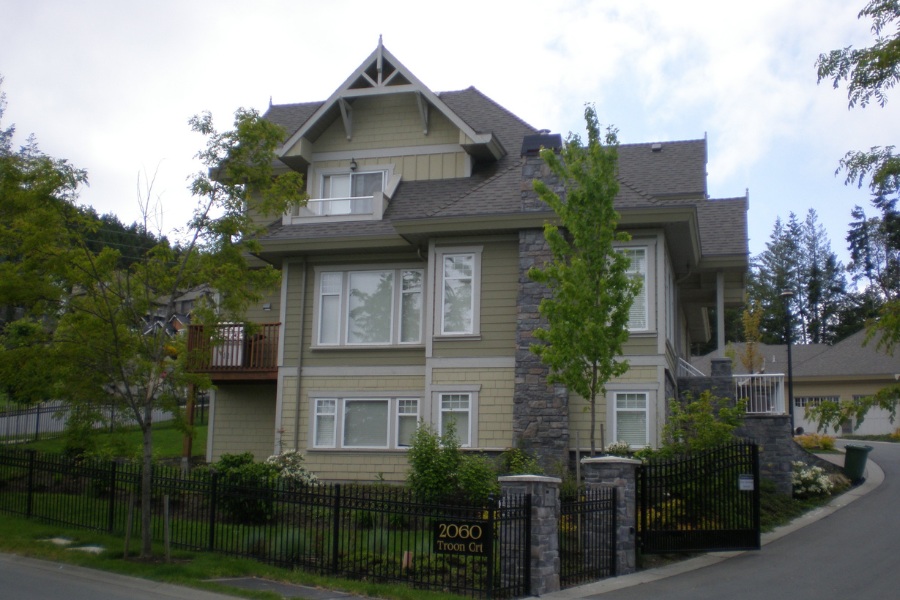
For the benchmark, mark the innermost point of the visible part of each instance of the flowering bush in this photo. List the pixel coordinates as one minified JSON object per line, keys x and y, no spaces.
{"x":290,"y":468}
{"x":619,"y":448}
{"x":810,"y":481}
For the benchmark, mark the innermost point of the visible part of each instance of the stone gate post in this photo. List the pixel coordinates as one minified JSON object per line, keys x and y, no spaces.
{"x":545,"y":563}
{"x":621,"y":473}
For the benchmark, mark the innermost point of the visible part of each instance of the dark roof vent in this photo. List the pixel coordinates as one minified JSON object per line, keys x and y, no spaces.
{"x":657,"y":147}
{"x":532,"y":144}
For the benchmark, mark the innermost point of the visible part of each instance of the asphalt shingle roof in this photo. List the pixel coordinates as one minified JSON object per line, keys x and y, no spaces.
{"x":650,"y":175}
{"x":849,"y":357}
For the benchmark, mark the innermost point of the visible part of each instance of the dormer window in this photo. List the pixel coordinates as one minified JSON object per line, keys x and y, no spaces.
{"x":339,"y":194}
{"x":348,"y":193}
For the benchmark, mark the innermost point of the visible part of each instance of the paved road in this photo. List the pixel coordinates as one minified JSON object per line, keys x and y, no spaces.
{"x":29,"y":579}
{"x":853,"y":552}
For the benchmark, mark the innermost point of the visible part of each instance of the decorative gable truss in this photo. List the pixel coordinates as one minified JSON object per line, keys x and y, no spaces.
{"x":357,"y":180}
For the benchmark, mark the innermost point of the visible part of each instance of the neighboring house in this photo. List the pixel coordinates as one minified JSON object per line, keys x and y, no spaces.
{"x":404,"y":295}
{"x":846,"y":371}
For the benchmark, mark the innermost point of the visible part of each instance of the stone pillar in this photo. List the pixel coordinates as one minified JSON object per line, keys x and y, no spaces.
{"x":620,"y":473}
{"x":540,"y":410}
{"x":545,"y":562}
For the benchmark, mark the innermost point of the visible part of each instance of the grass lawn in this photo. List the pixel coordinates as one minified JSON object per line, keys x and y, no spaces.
{"x":27,"y":538}
{"x":167,"y":442}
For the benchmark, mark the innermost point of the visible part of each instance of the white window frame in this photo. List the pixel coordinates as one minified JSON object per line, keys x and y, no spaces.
{"x":644,"y":294}
{"x":398,"y":296}
{"x":441,"y":254}
{"x":645,"y":410}
{"x":465,"y":438}
{"x":339,"y":416}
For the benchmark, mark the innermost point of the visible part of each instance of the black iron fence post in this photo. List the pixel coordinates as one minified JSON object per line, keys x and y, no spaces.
{"x":492,"y":511}
{"x":336,"y":528}
{"x":112,"y":496}
{"x":213,"y":494}
{"x":30,"y":502}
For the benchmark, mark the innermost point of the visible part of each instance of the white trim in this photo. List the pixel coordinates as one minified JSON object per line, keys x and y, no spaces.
{"x":437,"y":285}
{"x":211,"y":427}
{"x":346,"y":272}
{"x":472,"y":431}
{"x":340,"y":399}
{"x":612,"y":401}
{"x":380,"y":152}
{"x":363,"y":371}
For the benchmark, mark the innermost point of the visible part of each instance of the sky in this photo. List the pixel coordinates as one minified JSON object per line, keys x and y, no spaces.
{"x":110,"y":85}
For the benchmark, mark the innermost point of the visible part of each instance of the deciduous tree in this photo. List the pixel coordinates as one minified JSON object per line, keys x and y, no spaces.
{"x":591,"y":290}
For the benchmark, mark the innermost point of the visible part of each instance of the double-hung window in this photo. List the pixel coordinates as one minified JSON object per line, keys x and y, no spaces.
{"x":373,"y":307}
{"x":456,"y":412}
{"x":364,"y":423}
{"x":631,"y":418}
{"x":638,"y":318}
{"x":457,"y":290}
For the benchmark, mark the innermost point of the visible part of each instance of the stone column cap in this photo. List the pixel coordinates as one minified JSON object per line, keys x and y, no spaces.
{"x":528,"y":479}
{"x":599,"y":460}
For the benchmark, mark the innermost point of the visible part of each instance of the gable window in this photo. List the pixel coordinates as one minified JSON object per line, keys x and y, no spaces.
{"x":638,"y":319}
{"x":362,"y":423}
{"x":369,"y":307}
{"x":458,"y":290}
{"x":631,"y":418}
{"x":348,"y":193}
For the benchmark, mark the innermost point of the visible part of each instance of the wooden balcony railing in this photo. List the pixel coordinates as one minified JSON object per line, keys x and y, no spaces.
{"x":236,"y":351}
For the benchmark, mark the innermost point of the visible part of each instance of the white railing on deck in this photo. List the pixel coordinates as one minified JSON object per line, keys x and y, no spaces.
{"x":764,"y":393}
{"x":686,"y":369}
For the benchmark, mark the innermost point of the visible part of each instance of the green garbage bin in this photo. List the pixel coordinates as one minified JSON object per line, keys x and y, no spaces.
{"x":855,"y":462}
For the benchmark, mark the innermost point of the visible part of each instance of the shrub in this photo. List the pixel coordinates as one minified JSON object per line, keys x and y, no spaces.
{"x":289,"y":467}
{"x":440,"y":472}
{"x":700,"y":424}
{"x":809,"y":481}
{"x":247,"y":488}
{"x":815,"y":441}
{"x":515,"y":461}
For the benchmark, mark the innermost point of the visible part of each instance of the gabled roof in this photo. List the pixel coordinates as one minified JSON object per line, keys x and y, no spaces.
{"x":381,"y":73}
{"x":662,"y":185}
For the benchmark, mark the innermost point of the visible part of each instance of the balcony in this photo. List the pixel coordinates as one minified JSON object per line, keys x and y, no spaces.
{"x":235,"y":351}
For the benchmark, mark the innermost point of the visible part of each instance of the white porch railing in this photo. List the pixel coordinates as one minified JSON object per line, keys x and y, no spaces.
{"x":764,"y":393}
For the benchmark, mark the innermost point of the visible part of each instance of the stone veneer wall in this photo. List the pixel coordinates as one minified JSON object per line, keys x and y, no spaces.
{"x":540,"y":410}
{"x":773,"y":433}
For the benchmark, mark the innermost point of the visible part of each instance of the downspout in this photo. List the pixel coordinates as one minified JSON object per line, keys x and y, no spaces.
{"x":300,"y":357}
{"x":720,"y":313}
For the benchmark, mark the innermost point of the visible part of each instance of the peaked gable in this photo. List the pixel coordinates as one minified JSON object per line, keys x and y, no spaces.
{"x":381,"y":73}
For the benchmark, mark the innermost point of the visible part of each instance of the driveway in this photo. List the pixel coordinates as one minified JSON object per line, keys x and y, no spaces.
{"x":851,"y":552}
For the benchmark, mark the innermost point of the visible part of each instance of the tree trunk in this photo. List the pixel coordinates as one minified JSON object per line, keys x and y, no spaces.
{"x":146,"y":483}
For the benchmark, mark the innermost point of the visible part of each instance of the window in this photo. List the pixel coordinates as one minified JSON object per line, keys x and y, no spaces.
{"x":348,"y":193}
{"x":457,"y":409}
{"x":365,"y":422}
{"x":365,"y":308}
{"x":407,"y":420}
{"x":457,"y":291}
{"x":631,"y":418}
{"x":638,"y":317}
{"x":325,"y":422}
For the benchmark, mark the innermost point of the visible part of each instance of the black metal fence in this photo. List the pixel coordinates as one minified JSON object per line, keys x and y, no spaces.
{"x":374,"y":532}
{"x":46,"y":420}
{"x":587,"y":536}
{"x":705,"y":502}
